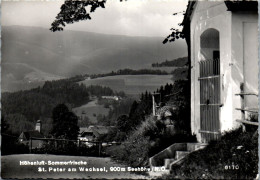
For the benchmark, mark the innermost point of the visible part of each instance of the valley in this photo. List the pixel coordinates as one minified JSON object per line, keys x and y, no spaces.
{"x":39,"y":64}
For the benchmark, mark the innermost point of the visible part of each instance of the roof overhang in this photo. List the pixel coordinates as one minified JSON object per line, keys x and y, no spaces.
{"x":233,"y":6}
{"x":242,"y":5}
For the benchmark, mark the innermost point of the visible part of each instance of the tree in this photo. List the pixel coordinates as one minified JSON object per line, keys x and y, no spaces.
{"x":180,"y":98}
{"x":65,"y":123}
{"x":10,"y":145}
{"x":74,"y":11}
{"x":123,"y":124}
{"x":176,"y":34}
{"x":4,"y":125}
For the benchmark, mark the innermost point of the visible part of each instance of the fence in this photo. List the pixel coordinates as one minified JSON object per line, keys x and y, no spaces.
{"x":209,"y":99}
{"x":65,"y":146}
{"x":243,"y":109}
{"x":14,"y":145}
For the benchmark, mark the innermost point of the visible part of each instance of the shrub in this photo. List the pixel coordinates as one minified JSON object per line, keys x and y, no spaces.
{"x":148,"y":139}
{"x":166,"y":140}
{"x":69,"y":148}
{"x":235,"y":156}
{"x":135,"y":150}
{"x":14,"y":148}
{"x":252,"y":118}
{"x":10,"y":143}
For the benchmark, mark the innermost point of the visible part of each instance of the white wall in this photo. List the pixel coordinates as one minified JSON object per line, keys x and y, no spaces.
{"x":211,"y":15}
{"x":238,"y":59}
{"x":244,"y":59}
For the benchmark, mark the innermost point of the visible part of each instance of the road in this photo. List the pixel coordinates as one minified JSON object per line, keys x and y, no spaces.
{"x":12,"y":168}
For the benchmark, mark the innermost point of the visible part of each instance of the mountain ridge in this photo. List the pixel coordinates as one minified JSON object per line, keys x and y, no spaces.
{"x":38,"y":27}
{"x":70,"y":53}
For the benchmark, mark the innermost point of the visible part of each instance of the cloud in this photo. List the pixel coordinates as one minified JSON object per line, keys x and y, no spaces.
{"x":29,"y":13}
{"x":134,"y":18}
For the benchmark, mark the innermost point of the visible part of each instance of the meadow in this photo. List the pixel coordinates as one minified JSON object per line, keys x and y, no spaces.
{"x":90,"y":110}
{"x":131,"y":84}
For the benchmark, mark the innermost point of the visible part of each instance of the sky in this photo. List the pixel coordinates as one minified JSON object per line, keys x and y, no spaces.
{"x":131,"y":17}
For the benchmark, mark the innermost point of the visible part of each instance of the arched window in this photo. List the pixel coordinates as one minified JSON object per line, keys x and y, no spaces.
{"x":209,"y":44}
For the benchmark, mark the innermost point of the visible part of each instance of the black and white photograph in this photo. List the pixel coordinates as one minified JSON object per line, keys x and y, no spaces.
{"x":129,"y":89}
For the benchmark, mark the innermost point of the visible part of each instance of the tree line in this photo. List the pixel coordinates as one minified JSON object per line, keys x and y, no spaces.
{"x":131,"y":72}
{"x":99,"y":91}
{"x":23,"y":108}
{"x":179,"y":62}
{"x":128,"y":116}
{"x":126,"y":71}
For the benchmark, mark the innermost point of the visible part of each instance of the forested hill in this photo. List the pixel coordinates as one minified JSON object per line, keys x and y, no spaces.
{"x":131,"y":72}
{"x":179,"y":66}
{"x":179,"y":62}
{"x":23,"y":108}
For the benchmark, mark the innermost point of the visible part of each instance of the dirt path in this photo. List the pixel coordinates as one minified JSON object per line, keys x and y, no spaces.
{"x":11,"y":168}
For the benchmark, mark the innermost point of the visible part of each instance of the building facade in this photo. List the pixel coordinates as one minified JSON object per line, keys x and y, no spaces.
{"x":223,"y":51}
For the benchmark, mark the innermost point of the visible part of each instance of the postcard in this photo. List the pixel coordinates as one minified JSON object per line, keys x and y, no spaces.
{"x":129,"y":89}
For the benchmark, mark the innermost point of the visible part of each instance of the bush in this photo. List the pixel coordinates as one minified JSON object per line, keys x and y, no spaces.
{"x":235,"y":156}
{"x":167,"y":140}
{"x":138,"y":149}
{"x":252,"y":118}
{"x":15,"y":148}
{"x":10,"y":145}
{"x":59,"y":147}
{"x":117,"y":152}
{"x":181,"y":101}
{"x":135,"y":150}
{"x":148,"y":139}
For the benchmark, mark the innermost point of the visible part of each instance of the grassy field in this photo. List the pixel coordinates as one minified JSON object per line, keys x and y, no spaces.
{"x":131,"y":84}
{"x":91,"y":110}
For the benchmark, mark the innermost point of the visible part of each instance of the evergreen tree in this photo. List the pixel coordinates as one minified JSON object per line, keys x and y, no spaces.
{"x":4,"y":125}
{"x":123,"y":124}
{"x":65,"y":123}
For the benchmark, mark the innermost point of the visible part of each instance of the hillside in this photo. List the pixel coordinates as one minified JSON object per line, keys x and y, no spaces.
{"x":132,"y":85}
{"x":68,"y":53}
{"x":21,"y":76}
{"x":178,"y":68}
{"x":179,"y":62}
{"x":21,"y":109}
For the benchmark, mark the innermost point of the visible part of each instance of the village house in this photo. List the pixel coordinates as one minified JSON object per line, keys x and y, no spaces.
{"x":26,"y":136}
{"x":116,"y":98}
{"x":101,"y":131}
{"x":222,"y":38}
{"x":86,"y":134}
{"x":93,"y":133}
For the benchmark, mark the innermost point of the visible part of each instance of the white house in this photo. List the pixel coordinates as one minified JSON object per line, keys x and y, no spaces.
{"x":222,"y":38}
{"x":116,"y":98}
